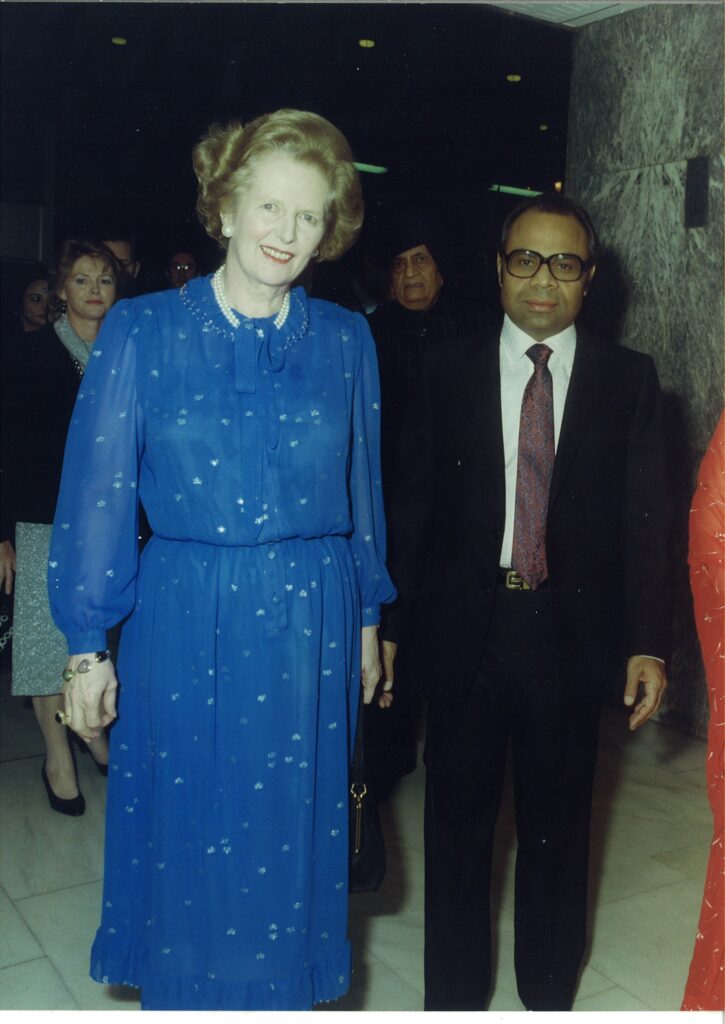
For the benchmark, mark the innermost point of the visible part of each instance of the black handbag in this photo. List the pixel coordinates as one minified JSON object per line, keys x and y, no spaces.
{"x":367,"y":844}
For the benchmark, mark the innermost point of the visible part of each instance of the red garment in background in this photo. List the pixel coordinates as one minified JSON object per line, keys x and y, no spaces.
{"x":705,"y":989}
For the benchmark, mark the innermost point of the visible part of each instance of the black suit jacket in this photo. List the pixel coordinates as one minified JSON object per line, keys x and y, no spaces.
{"x":607,"y":527}
{"x":39,"y":384}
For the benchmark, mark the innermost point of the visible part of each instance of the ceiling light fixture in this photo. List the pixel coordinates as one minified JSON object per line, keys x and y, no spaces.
{"x":118,"y":40}
{"x":512,"y":190}
{"x":367,"y":44}
{"x":371,"y":168}
{"x":513,"y":78}
{"x":543,"y":127}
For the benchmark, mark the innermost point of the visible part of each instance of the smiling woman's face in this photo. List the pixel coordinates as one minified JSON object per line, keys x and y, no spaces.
{"x":277,"y":223}
{"x":89,"y":290}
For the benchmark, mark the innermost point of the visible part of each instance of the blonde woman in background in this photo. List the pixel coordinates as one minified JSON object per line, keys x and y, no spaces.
{"x":40,"y":381}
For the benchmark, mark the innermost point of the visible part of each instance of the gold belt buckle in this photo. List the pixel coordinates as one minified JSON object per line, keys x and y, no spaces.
{"x":515,"y":582}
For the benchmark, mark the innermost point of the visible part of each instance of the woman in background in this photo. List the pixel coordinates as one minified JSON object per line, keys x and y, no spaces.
{"x":34,"y":308}
{"x":705,"y":988}
{"x":40,"y":379}
{"x":29,"y":312}
{"x":246,"y":418}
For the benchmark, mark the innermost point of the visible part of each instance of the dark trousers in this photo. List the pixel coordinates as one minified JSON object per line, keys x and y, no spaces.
{"x":517,"y":697}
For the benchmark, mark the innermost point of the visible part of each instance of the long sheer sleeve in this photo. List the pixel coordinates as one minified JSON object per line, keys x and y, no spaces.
{"x":94,"y":550}
{"x":365,"y":481}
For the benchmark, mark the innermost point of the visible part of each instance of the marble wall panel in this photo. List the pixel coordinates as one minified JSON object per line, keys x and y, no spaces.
{"x":646,"y":96}
{"x":647,"y":87}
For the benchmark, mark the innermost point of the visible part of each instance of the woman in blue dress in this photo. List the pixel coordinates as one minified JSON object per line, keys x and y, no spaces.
{"x":245,"y":418}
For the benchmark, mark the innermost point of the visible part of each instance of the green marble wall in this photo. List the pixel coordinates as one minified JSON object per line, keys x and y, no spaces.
{"x":646,"y":96}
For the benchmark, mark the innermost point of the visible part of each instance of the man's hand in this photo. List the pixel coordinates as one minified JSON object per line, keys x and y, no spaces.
{"x":7,"y":566}
{"x":388,"y":650}
{"x":649,"y":673}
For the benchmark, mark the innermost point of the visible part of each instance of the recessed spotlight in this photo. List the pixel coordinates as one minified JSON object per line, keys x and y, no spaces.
{"x":543,"y":127}
{"x":118,"y":40}
{"x":367,"y":44}
{"x":558,"y":186}
{"x":513,"y":78}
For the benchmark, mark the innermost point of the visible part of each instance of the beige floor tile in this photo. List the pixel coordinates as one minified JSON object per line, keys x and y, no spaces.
{"x":591,"y":983}
{"x":375,"y":986}
{"x":34,"y":986}
{"x":17,"y":943}
{"x":694,"y":776}
{"x":397,"y":941}
{"x":654,"y":743}
{"x":402,"y":814}
{"x":19,"y":732}
{"x":648,"y":808}
{"x":614,"y":999}
{"x":651,"y":837}
{"x":690,"y":861}
{"x":49,"y":850}
{"x":619,"y":870}
{"x":65,"y":924}
{"x":644,"y":943}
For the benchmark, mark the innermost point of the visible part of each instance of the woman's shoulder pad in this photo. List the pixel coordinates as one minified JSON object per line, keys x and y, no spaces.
{"x":323,"y":310}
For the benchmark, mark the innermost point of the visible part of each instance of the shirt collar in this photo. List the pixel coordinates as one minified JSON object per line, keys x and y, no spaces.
{"x":515,"y":342}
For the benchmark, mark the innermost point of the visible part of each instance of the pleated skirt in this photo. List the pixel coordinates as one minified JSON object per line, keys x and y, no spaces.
{"x":226,"y":845}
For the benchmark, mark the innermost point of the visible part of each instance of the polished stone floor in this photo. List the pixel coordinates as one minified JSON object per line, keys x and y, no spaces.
{"x":652,"y":829}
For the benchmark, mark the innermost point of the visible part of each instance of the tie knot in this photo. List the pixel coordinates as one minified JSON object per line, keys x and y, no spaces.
{"x":539,"y":354}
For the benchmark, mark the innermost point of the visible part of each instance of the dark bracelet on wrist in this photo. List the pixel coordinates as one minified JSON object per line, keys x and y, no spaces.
{"x":85,"y":665}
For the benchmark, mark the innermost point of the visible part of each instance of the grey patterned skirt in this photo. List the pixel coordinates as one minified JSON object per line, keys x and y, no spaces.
{"x":40,"y":651}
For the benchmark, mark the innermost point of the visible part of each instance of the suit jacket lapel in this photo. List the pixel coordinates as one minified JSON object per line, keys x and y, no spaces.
{"x":587,"y":381}
{"x":481,"y":379}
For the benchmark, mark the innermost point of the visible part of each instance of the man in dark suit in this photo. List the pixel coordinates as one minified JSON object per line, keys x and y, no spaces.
{"x":419,"y":316}
{"x":536,"y":482}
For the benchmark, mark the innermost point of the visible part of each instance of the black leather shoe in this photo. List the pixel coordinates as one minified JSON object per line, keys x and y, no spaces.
{"x":85,"y":749}
{"x":73,"y":808}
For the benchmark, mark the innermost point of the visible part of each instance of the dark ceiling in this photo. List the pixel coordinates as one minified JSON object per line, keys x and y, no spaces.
{"x":110,"y":128}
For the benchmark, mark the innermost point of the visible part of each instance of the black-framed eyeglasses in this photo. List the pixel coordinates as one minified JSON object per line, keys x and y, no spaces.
{"x":564,"y":266}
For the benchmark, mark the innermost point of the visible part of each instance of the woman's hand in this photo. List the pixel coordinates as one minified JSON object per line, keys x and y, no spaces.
{"x":90,"y":697}
{"x":370,"y":663}
{"x":371,"y":669}
{"x":389,"y":650}
{"x":7,"y":566}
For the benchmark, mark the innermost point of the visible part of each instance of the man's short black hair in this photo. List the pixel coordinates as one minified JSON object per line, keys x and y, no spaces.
{"x":119,"y":233}
{"x":554,"y":202}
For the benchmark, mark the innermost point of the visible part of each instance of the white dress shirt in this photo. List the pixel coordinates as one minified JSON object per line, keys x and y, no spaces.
{"x":516,"y":369}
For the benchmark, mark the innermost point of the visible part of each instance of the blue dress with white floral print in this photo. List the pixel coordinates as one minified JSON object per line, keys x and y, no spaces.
{"x":254,"y":450}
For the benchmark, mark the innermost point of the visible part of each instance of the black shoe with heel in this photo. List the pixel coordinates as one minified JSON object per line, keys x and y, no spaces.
{"x":85,"y":749}
{"x":73,"y":807}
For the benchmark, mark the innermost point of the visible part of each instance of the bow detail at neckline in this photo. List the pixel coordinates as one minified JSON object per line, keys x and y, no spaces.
{"x":258,"y":344}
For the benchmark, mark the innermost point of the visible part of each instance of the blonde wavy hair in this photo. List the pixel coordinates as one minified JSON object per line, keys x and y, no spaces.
{"x":224,"y":164}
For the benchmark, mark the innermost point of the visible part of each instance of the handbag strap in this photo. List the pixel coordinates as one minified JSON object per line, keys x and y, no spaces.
{"x":357,"y":770}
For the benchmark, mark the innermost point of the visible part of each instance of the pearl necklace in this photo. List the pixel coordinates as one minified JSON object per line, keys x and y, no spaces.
{"x":218,"y":288}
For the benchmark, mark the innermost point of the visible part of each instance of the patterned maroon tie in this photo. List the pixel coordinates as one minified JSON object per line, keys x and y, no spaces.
{"x":533,"y":474}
